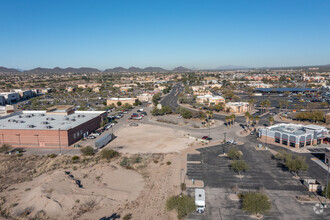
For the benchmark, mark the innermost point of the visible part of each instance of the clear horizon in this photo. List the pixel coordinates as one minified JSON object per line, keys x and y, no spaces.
{"x":193,"y":34}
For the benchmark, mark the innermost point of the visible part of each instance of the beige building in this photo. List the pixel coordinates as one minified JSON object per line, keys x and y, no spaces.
{"x":210,"y":100}
{"x":123,"y":101}
{"x":237,"y":107}
{"x":89,"y":85}
{"x":145,"y":97}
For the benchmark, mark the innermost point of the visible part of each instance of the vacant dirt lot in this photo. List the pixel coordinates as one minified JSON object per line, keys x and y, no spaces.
{"x":149,"y":139}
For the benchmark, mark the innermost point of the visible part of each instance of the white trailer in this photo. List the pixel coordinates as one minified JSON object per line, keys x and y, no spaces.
{"x":200,"y":200}
{"x":102,"y":141}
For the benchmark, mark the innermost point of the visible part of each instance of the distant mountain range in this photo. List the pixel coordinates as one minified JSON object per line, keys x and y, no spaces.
{"x":58,"y":70}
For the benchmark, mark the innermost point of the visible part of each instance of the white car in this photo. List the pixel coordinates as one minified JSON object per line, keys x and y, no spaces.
{"x":179,"y":116}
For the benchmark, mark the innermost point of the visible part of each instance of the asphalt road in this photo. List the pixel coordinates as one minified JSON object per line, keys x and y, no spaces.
{"x":171,"y":100}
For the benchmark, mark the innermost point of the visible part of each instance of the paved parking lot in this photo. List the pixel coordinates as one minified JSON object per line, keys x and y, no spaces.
{"x":264,"y":173}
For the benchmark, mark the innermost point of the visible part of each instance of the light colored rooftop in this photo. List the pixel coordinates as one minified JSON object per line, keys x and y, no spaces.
{"x":295,"y":129}
{"x":118,"y":99}
{"x":39,"y":120}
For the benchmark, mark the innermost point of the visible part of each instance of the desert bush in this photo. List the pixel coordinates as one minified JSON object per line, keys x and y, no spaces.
{"x":52,"y":155}
{"x":128,"y":216}
{"x":168,"y":163}
{"x":109,"y":154}
{"x":124,"y":162}
{"x":87,"y":151}
{"x":183,"y":187}
{"x":4,"y":148}
{"x":75,"y":158}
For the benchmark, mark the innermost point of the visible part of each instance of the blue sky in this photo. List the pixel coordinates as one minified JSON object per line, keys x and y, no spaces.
{"x":165,"y":33}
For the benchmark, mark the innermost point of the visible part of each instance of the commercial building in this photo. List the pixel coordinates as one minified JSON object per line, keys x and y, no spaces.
{"x":210,"y":100}
{"x":145,"y":97}
{"x":237,"y":107}
{"x":58,"y":126}
{"x":293,"y":135}
{"x":11,"y":97}
{"x":123,"y":101}
{"x":89,"y":85}
{"x":282,"y":90}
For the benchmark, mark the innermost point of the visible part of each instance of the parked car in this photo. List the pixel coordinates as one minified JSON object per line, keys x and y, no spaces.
{"x":91,"y":137}
{"x":206,"y":138}
{"x":179,"y":116}
{"x":133,"y":124}
{"x":252,"y":133}
{"x":231,"y":142}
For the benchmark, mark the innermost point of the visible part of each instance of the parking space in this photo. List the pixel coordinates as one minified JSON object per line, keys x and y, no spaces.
{"x":264,"y":173}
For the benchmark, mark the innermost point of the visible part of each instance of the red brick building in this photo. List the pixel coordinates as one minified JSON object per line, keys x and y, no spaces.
{"x":60,"y":126}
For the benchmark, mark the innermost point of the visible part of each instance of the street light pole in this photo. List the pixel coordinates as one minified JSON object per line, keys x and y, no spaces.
{"x":181,"y":179}
{"x":327,"y":158}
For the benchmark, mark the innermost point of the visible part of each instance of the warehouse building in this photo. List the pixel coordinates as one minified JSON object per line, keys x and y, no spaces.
{"x":58,"y":126}
{"x":293,"y":135}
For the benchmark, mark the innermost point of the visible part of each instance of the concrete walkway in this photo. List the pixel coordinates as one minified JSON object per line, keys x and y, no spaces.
{"x":320,"y":163}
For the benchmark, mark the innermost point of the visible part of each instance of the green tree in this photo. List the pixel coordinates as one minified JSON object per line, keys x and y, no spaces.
{"x":234,"y":154}
{"x":166,"y":110}
{"x":239,"y":166}
{"x":297,"y":164}
{"x":119,"y":103}
{"x":182,"y":204}
{"x":256,"y":203}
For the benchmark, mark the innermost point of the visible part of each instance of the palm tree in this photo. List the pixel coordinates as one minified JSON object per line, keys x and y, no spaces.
{"x":251,"y":120}
{"x":209,"y":115}
{"x":257,"y":119}
{"x":262,"y":105}
{"x":251,"y":103}
{"x":247,"y":117}
{"x":271,"y":120}
{"x":267,"y":104}
{"x":233,"y":116}
{"x":227,"y":120}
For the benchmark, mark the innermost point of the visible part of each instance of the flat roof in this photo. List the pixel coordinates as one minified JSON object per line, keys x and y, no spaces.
{"x":295,"y":129}
{"x":285,"y":90}
{"x":39,"y":120}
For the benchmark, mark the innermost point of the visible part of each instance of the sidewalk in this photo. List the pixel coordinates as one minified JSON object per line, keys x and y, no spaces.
{"x":320,"y":163}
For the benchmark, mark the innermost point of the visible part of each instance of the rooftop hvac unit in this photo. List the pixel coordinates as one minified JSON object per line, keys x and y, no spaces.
{"x":42,"y":115}
{"x":20,"y":121}
{"x":49,"y":127}
{"x":31,"y":126}
{"x":50,"y":119}
{"x":45,"y":122}
{"x":73,"y":119}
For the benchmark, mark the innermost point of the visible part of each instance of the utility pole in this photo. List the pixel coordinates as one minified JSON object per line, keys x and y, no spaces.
{"x":224,"y":137}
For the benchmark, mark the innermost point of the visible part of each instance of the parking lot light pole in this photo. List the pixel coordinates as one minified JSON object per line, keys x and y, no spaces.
{"x":327,"y":160}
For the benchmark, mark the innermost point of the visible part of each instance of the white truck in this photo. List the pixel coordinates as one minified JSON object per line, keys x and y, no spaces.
{"x":200,"y":200}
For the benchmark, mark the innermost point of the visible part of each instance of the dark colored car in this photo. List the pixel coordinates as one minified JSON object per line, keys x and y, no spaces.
{"x":206,"y":138}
